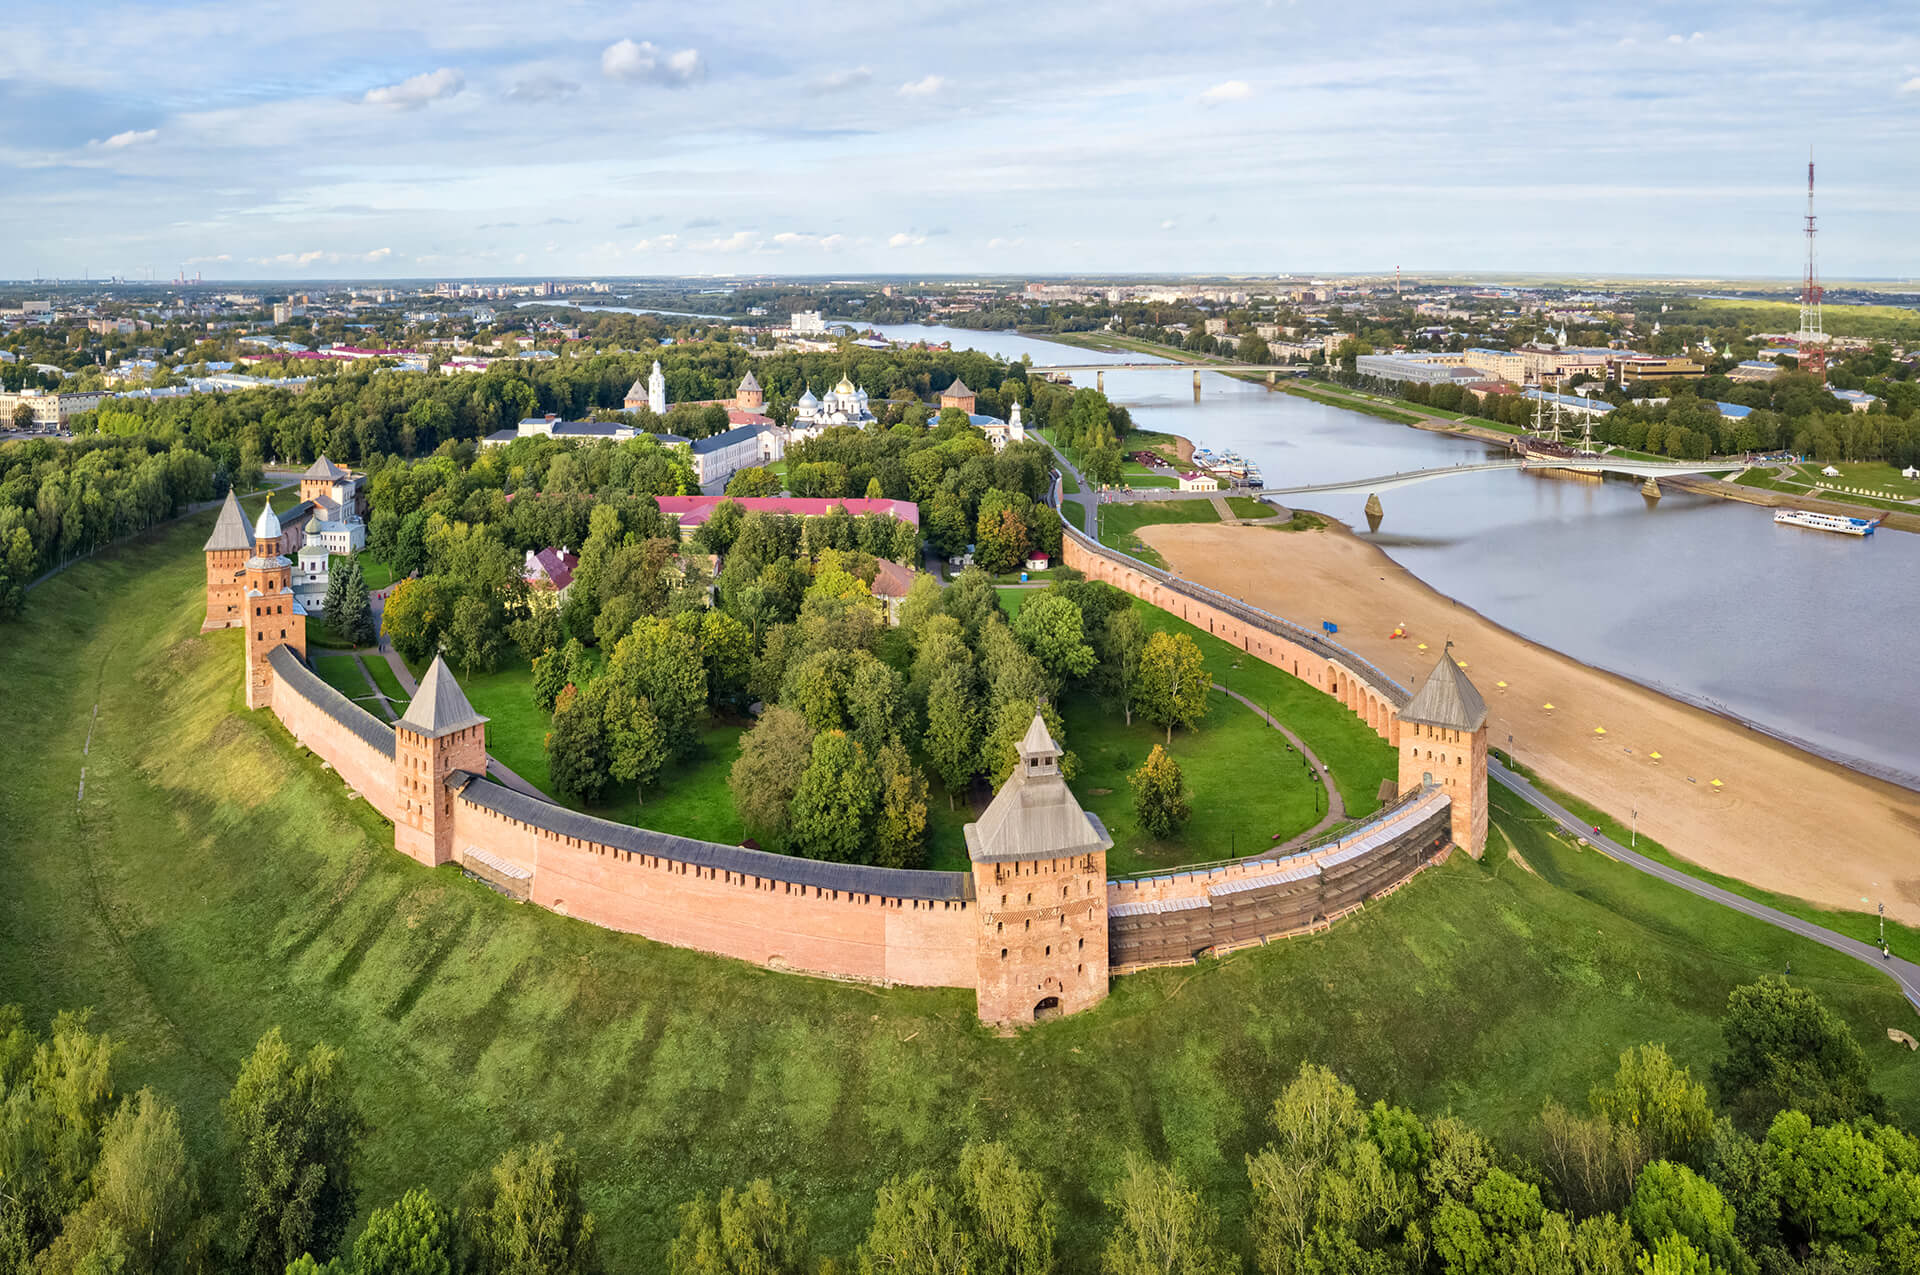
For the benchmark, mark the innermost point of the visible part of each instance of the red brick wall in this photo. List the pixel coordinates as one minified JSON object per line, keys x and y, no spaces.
{"x":1311,"y":667}
{"x":1043,"y":934}
{"x":366,"y":769}
{"x":767,"y":922}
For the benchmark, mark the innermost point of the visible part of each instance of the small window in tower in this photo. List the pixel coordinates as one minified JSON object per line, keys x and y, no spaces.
{"x":1049,"y":949}
{"x":1003,"y":953}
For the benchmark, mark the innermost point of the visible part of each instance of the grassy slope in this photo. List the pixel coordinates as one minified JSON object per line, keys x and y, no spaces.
{"x":1250,"y":507}
{"x":216,"y":882}
{"x":1120,"y":523}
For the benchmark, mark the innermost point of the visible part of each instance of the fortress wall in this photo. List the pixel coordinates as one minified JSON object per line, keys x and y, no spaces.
{"x":336,"y":729}
{"x":659,"y":888}
{"x":1368,"y":693}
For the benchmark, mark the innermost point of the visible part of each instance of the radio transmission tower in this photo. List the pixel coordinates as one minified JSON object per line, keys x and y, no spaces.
{"x":1811,"y":341}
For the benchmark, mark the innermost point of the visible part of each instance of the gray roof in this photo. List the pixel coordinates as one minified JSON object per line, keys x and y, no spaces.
{"x":748,"y":383}
{"x":305,"y":683}
{"x":851,"y":878}
{"x":324,"y":468}
{"x":1035,"y":815}
{"x":230,"y":528}
{"x":1446,"y":699}
{"x":439,"y":707}
{"x":738,"y":434}
{"x":959,"y":387}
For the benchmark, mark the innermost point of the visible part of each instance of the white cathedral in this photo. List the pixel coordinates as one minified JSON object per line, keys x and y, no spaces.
{"x":843,"y":405}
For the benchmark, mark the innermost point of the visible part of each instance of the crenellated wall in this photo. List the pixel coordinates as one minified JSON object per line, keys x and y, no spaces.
{"x":358,"y":745}
{"x":1367,"y":692}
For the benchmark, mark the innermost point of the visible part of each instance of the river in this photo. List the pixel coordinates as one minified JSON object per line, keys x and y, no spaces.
{"x":1809,"y":636}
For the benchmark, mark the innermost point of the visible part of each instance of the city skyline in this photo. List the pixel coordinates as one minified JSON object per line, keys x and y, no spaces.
{"x":288,"y":143}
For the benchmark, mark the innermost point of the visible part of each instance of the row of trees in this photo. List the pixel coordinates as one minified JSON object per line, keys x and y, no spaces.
{"x":58,"y":500}
{"x":1802,"y":1176}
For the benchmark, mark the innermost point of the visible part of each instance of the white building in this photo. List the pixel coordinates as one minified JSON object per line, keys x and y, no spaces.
{"x":657,"y":390}
{"x":719,"y":457}
{"x":999,"y":432}
{"x":1197,"y":481}
{"x":807,"y":323}
{"x":843,"y":405}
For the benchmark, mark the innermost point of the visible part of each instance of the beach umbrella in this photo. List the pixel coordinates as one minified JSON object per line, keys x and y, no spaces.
{"x":1716,"y":783}
{"x":1423,"y":646}
{"x":1654,"y":755}
{"x":1599,"y":730}
{"x":1501,"y":685}
{"x":1548,"y":707}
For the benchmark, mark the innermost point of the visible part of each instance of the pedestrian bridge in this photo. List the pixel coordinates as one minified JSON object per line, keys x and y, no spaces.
{"x":1166,"y":365}
{"x":1593,"y":464}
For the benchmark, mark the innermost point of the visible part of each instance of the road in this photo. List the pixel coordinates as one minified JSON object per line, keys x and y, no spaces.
{"x":1904,"y":973}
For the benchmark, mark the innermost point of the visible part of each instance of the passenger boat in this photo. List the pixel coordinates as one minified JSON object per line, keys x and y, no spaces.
{"x":1826,"y":522}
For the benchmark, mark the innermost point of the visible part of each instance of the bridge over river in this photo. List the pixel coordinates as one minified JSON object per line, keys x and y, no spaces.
{"x":1586,"y":464}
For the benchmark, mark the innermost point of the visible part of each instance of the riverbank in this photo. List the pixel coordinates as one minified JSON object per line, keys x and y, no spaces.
{"x":1781,"y":818}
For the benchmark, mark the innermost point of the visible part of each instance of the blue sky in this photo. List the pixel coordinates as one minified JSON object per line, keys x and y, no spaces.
{"x":361,"y":138}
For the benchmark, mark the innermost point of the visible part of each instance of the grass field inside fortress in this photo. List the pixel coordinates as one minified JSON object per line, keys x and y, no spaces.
{"x":215,"y":881}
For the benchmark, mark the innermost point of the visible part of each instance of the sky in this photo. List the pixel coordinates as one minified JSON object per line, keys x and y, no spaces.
{"x":364,"y":139}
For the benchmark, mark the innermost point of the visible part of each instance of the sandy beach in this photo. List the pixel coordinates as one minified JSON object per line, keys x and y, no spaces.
{"x":1781,"y":819}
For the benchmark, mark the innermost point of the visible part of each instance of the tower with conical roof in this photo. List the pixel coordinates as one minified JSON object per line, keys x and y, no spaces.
{"x":271,"y":614}
{"x":1443,"y":743}
{"x":958,"y":395}
{"x":1040,"y":884}
{"x":228,"y":549}
{"x":749,"y":397}
{"x":437,"y":735}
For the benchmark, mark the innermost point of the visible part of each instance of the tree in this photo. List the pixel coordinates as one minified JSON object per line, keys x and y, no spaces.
{"x":141,"y":1214}
{"x":1161,"y":1227}
{"x":1000,"y":535}
{"x":473,"y":639}
{"x":550,"y":674}
{"x":661,"y":664}
{"x":527,"y":1217}
{"x":1012,"y":1218}
{"x":577,"y":744}
{"x":756,"y":1231}
{"x":915,"y":1231}
{"x":1661,"y":1101}
{"x":833,"y":805}
{"x":774,"y":756}
{"x":921,"y":604}
{"x":900,"y":824}
{"x":1122,"y":641}
{"x":1160,"y":796}
{"x":1173,"y":685}
{"x":411,"y":1236}
{"x":755,"y":480}
{"x":1671,"y":1199}
{"x":538,"y":629}
{"x":636,"y":746}
{"x":726,"y":652}
{"x":1052,"y":628}
{"x":1787,"y":1050}
{"x":346,"y":608}
{"x":293,"y":1134}
{"x":953,"y":729}
{"x":415,"y":612}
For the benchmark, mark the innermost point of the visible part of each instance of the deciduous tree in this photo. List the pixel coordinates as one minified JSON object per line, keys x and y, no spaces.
{"x":834,"y":804}
{"x":774,"y":755}
{"x":527,"y":1216}
{"x":1161,"y":1226}
{"x":755,"y":1231}
{"x":1160,"y":796}
{"x":1173,"y":685}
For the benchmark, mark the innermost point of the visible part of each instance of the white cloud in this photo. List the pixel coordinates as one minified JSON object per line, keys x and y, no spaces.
{"x":997,"y":242}
{"x":626,"y":60}
{"x":1228,"y":91}
{"x":905,"y":240}
{"x":415,"y":92}
{"x":1677,"y":38}
{"x":120,"y":141}
{"x":835,"y":81}
{"x":738,"y":241}
{"x":1911,"y":86}
{"x":927,"y":86}
{"x":1167,"y":225}
{"x":317,"y":255}
{"x":542,"y":88}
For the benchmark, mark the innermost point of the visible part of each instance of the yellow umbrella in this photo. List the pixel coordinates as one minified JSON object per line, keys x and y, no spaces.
{"x":1716,"y":783}
{"x":1501,"y":685}
{"x":1654,"y":755}
{"x":1423,"y":646}
{"x":1599,"y":730}
{"x":1548,"y":707}
{"x":1461,"y":663}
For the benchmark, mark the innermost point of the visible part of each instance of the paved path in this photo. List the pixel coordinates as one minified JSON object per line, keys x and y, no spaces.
{"x":1336,"y":806}
{"x":1904,"y":973}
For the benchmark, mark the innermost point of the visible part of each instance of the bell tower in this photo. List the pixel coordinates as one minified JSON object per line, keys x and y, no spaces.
{"x":271,"y":614}
{"x":1443,"y":742}
{"x":437,"y":735}
{"x":1040,"y":884}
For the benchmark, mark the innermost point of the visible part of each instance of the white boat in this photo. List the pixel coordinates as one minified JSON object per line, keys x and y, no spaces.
{"x":1826,"y":522}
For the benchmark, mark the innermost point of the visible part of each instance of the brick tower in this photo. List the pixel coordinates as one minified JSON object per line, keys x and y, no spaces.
{"x":749,"y":397}
{"x":1040,"y":878}
{"x":438,"y":734}
{"x":228,"y":549}
{"x":272,"y":616}
{"x":1443,"y":741}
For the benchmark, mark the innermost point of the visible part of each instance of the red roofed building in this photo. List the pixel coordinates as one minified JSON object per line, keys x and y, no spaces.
{"x":694,"y":510}
{"x":891,"y":580}
{"x":551,"y":569}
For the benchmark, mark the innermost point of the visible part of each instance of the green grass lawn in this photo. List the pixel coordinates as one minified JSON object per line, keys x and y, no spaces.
{"x":1068,"y":484}
{"x":1250,"y":791}
{"x":1319,"y":394}
{"x":216,"y":882}
{"x":385,"y":678}
{"x":342,"y":673}
{"x":1372,"y":396}
{"x":1153,"y":440}
{"x":377,"y":574}
{"x":1250,"y":507}
{"x":1870,"y":475}
{"x":321,"y":634}
{"x":1766,"y":481}
{"x":1120,"y":523}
